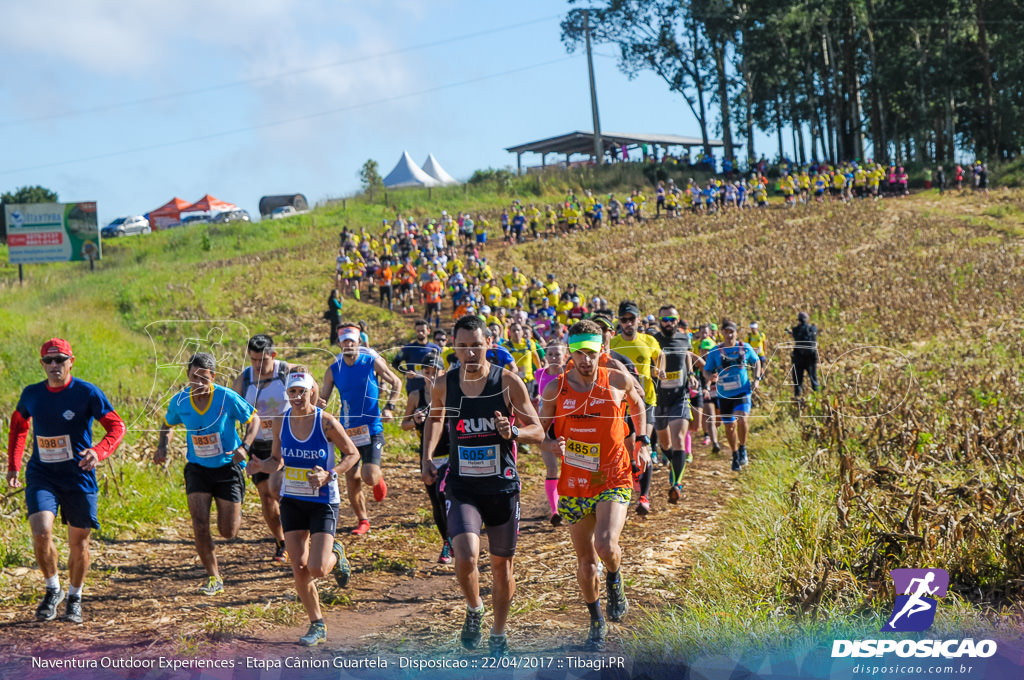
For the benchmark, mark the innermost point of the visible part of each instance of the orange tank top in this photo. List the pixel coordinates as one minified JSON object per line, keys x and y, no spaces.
{"x":592,"y":423}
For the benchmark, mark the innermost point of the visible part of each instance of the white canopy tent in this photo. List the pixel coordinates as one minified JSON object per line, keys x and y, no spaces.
{"x":407,"y":174}
{"x":434,"y":169}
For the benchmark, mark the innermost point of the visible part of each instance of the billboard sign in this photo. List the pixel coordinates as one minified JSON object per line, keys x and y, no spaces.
{"x":52,"y":232}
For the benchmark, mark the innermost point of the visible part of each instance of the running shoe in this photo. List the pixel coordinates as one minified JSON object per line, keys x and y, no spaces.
{"x":618,"y":605}
{"x":596,"y":636}
{"x":47,"y":609}
{"x":689,"y":456}
{"x":446,"y":554}
{"x":73,"y":609}
{"x":280,"y":554}
{"x":743,"y":456}
{"x":214,"y":586}
{"x":674,"y":494}
{"x":707,"y":440}
{"x":643,"y":508}
{"x":471,"y":628}
{"x":736,"y":461}
{"x":497,"y":645}
{"x":342,"y":570}
{"x":316,"y":634}
{"x":380,"y":490}
{"x":362,"y":528}
{"x":556,"y":520}
{"x":716,"y":449}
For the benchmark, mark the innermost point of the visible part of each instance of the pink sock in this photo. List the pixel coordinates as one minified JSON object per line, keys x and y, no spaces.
{"x":688,"y":442}
{"x":551,"y":491}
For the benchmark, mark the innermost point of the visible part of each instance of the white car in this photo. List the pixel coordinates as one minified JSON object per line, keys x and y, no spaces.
{"x":124,"y":226}
{"x":282,"y":212}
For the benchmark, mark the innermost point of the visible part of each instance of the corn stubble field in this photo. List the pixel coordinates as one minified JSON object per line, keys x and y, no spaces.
{"x":907,"y":458}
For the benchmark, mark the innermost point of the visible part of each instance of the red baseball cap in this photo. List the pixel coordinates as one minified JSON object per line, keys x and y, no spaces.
{"x":56,"y":346}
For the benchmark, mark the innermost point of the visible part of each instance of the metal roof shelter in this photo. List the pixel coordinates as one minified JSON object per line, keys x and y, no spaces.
{"x":583,"y":143}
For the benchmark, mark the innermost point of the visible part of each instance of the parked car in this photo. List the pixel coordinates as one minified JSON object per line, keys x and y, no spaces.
{"x":231,"y":216}
{"x":194,"y":219}
{"x":282,"y":212}
{"x":125,"y":226}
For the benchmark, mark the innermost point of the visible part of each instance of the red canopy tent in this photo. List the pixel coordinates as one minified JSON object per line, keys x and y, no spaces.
{"x":209,"y":204}
{"x":167,"y":214}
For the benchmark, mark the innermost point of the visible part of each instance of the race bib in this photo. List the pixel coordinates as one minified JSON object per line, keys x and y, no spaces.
{"x":207,"y":445}
{"x":296,"y":482}
{"x":55,"y":449}
{"x":672,"y":379}
{"x":266,"y":432}
{"x":583,"y":455}
{"x":730,"y":381}
{"x":478,"y":461}
{"x":360,"y":436}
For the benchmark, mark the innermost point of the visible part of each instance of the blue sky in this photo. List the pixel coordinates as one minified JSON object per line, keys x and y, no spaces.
{"x":130,"y":104}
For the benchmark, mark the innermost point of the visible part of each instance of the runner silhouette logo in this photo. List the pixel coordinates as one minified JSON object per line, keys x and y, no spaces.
{"x":914,"y":608}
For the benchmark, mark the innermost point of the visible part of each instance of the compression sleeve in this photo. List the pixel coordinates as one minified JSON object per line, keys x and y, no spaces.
{"x":16,"y":440}
{"x":115,"y":428}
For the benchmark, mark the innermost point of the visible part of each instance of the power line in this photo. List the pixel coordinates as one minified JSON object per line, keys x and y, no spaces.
{"x":286,"y":121}
{"x":276,"y":76}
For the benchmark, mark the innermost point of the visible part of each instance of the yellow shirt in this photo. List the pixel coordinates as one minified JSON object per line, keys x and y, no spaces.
{"x":643,"y":350}
{"x":523,"y":354}
{"x":757,"y":342}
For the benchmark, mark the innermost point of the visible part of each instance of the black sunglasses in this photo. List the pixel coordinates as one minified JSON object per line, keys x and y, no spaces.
{"x":669,"y":319}
{"x":55,"y":360}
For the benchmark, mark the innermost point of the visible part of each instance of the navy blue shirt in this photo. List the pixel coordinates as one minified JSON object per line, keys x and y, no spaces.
{"x":62,"y":430}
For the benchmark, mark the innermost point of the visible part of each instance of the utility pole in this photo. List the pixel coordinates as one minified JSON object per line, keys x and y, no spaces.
{"x":598,"y":145}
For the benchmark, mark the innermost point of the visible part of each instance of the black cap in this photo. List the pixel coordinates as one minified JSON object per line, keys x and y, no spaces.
{"x":802,"y":316}
{"x":432,"y":360}
{"x":629,"y":307}
{"x":603,"y":317}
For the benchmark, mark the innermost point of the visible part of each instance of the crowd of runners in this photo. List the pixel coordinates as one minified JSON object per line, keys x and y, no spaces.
{"x":604,"y":392}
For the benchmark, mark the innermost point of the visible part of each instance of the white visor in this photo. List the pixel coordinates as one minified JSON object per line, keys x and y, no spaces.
{"x":348,"y":333}
{"x":303,"y":380}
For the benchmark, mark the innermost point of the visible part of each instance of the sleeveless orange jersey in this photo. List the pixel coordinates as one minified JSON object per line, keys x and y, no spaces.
{"x":592,"y":423}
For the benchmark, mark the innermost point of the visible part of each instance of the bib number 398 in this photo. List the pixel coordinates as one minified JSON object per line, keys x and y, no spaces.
{"x":55,"y":449}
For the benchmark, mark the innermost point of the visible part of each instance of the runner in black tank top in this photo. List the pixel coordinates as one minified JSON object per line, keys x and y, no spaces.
{"x":486,"y":411}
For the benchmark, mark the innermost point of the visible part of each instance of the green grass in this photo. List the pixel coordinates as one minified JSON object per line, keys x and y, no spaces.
{"x":868,"y":274}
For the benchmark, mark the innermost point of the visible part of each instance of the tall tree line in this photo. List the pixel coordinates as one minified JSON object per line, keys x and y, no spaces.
{"x":899,"y":80}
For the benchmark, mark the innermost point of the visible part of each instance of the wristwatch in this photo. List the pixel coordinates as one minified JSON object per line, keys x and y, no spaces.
{"x":515,"y":433}
{"x":644,"y":439}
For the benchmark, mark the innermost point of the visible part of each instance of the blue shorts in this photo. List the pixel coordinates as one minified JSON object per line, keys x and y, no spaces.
{"x":727,"y":406}
{"x":481,"y":238}
{"x":77,"y":507}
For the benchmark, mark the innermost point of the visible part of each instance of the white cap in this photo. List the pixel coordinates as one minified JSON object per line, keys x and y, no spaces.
{"x":485,"y":309}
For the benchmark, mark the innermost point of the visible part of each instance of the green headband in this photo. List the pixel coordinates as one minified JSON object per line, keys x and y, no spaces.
{"x":591,"y":341}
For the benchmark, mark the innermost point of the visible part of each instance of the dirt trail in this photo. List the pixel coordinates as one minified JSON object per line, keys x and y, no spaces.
{"x":397,"y":601}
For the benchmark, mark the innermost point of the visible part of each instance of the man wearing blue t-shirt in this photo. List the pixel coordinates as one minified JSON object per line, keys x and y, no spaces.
{"x":728,"y":364}
{"x":216,"y":457}
{"x":62,"y":470}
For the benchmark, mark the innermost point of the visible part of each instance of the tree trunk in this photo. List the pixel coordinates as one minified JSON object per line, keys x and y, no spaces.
{"x":988,"y":133}
{"x":778,"y":127}
{"x":698,"y":83}
{"x":877,"y":111}
{"x":718,"y":49}
{"x":834,"y":99}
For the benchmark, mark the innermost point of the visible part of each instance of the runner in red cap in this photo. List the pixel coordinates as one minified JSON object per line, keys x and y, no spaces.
{"x":62,"y":470}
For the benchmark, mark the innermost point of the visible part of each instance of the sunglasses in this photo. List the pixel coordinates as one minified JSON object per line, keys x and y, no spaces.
{"x":54,"y":360}
{"x":627,"y":319}
{"x":669,"y":319}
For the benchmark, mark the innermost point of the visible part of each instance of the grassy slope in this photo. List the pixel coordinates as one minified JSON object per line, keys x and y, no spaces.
{"x":922,"y":276}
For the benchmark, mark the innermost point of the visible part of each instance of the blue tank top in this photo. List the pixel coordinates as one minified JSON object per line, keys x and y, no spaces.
{"x":360,"y":397}
{"x":302,"y":455}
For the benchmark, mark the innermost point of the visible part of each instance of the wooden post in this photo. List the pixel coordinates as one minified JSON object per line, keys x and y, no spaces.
{"x":21,"y":275}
